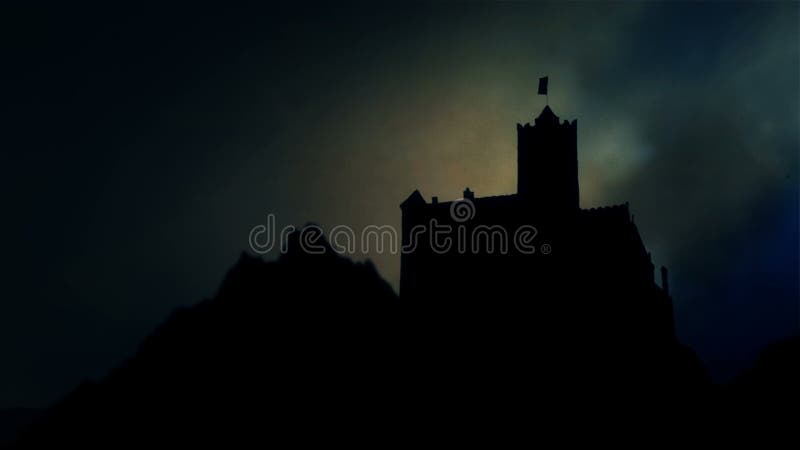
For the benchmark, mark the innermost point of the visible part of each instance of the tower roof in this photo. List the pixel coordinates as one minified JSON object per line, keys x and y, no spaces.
{"x":414,"y":199}
{"x":547,"y":115}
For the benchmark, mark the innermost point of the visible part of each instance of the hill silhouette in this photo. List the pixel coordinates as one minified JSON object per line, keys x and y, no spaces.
{"x":772,"y":382}
{"x":319,"y":348}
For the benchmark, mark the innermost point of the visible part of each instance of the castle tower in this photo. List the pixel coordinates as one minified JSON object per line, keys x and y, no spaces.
{"x":547,"y":164}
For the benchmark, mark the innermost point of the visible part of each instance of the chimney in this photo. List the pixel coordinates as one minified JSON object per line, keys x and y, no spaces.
{"x":469,"y":194}
{"x":664,"y":281}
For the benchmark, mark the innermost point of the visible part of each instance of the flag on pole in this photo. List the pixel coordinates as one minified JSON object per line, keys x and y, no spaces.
{"x":543,"y":86}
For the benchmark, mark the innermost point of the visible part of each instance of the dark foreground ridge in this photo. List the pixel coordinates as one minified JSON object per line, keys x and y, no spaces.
{"x":316,"y":348}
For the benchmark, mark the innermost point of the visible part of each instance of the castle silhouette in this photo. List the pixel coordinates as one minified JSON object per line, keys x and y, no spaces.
{"x":587,"y":270}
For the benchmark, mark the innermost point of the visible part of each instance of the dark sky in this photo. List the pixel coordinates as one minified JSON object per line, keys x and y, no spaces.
{"x":140,"y":146}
